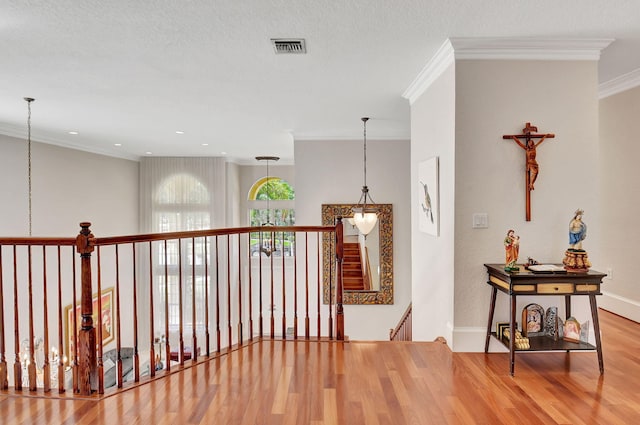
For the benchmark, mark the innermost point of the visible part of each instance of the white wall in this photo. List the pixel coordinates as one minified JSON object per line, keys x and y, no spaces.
{"x":68,"y":186}
{"x":619,"y":171}
{"x":331,"y":172}
{"x":433,"y":134}
{"x":494,"y":98}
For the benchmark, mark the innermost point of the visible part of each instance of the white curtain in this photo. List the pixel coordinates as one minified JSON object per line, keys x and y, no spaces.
{"x":180,"y":194}
{"x":155,"y":173}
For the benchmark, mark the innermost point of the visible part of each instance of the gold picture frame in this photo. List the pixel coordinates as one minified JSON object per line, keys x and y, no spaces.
{"x":571,"y":330}
{"x":107,"y":320}
{"x":330,"y":212}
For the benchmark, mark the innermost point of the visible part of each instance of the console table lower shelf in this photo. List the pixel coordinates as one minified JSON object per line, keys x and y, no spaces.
{"x":545,"y":343}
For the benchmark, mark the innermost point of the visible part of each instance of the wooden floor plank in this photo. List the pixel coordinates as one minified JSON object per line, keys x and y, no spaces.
{"x":277,"y":382}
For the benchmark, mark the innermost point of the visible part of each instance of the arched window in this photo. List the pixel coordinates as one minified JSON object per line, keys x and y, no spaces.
{"x":181,"y":203}
{"x":271,"y":203}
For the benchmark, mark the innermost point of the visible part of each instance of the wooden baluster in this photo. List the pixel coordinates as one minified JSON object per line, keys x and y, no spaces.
{"x":152,"y":341}
{"x":306,"y":285}
{"x":284,"y":290}
{"x":207,"y":282}
{"x":17,"y":365}
{"x":229,"y":323}
{"x":339,"y":289}
{"x":218,"y":336}
{"x":167,"y":346}
{"x":330,"y":303}
{"x":4,"y":373}
{"x":272,"y":305}
{"x":295,"y":288}
{"x":46,"y":367}
{"x":136,"y":358}
{"x":117,"y":317}
{"x":260,"y":306}
{"x":99,"y":336}
{"x":87,"y":335}
{"x":180,"y":310}
{"x":319,"y":295}
{"x":61,"y":350}
{"x":240,"y":324}
{"x":250,"y":269}
{"x":194,"y":341}
{"x":73,"y":343}
{"x":32,"y":361}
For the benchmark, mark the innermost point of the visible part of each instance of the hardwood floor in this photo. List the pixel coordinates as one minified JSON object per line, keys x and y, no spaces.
{"x":275,"y":382}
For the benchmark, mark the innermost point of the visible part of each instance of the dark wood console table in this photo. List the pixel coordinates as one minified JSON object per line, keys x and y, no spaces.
{"x":525,"y":282}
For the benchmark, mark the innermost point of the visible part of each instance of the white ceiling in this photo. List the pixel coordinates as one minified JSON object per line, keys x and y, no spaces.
{"x":136,"y":71}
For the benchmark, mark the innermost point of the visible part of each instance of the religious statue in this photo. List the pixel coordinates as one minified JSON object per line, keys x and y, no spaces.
{"x":577,"y":231}
{"x":576,"y":258}
{"x":512,"y":249}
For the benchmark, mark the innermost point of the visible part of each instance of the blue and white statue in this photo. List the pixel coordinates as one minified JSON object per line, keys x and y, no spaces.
{"x":577,"y":231}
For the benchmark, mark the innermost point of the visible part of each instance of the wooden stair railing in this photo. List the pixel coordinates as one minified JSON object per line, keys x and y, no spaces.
{"x":191,"y":296}
{"x":402,"y":331}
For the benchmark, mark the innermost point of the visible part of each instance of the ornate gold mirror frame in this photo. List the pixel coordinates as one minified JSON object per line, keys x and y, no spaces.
{"x":330,"y":213}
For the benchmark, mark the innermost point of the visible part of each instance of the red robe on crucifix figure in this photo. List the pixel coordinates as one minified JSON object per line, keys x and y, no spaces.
{"x":529,"y":146}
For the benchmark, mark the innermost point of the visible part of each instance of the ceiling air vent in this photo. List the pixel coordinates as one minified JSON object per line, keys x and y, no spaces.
{"x":289,"y":45}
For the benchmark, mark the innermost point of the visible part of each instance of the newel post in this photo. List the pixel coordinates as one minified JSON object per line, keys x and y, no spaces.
{"x":339,"y":288}
{"x":87,"y":366}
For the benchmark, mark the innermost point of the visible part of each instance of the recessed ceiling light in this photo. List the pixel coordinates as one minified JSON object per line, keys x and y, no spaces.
{"x":73,"y":132}
{"x":205,"y":144}
{"x":223,"y":153}
{"x":117,"y":144}
{"x":179,"y":132}
{"x":148,"y":153}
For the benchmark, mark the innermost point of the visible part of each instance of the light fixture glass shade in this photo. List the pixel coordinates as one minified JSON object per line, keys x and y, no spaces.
{"x":365,"y":219}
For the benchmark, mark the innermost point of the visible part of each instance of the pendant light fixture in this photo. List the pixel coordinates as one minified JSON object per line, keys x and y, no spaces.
{"x":267,"y":245}
{"x":365,"y":216}
{"x":29,"y":100}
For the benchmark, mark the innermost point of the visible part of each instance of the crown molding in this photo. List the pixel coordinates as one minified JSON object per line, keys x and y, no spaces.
{"x":432,"y":70}
{"x":503,"y":49}
{"x":619,"y":84}
{"x":19,"y":133}
{"x":529,"y":48}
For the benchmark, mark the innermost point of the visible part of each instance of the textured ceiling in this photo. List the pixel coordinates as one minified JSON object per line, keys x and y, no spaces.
{"x":135,"y":72}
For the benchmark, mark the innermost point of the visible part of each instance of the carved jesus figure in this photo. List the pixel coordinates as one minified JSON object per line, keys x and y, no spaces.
{"x":532,"y":165}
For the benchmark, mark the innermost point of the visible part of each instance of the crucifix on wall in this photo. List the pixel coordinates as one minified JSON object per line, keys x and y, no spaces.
{"x":529,"y":141}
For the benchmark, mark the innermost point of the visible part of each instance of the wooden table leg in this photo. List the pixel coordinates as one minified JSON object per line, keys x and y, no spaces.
{"x":512,"y":336}
{"x":596,"y":330}
{"x":567,"y":309}
{"x":492,"y":309}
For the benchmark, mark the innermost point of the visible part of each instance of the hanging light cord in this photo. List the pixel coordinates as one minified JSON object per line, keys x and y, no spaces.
{"x":29,"y":100}
{"x":364,"y":120}
{"x":365,"y":188}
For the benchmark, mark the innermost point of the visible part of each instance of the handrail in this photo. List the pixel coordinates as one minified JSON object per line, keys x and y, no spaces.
{"x":24,"y":241}
{"x":403,"y":331}
{"x":150,"y":237}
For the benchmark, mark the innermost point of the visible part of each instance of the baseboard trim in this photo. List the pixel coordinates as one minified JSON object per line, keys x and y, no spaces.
{"x":472,"y":339}
{"x":621,"y":306}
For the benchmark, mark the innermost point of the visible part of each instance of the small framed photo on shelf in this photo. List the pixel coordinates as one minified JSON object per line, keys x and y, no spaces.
{"x":571,"y":330}
{"x":533,"y":320}
{"x":501,"y":327}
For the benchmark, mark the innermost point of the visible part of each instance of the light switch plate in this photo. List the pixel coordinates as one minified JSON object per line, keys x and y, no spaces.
{"x":480,"y":221}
